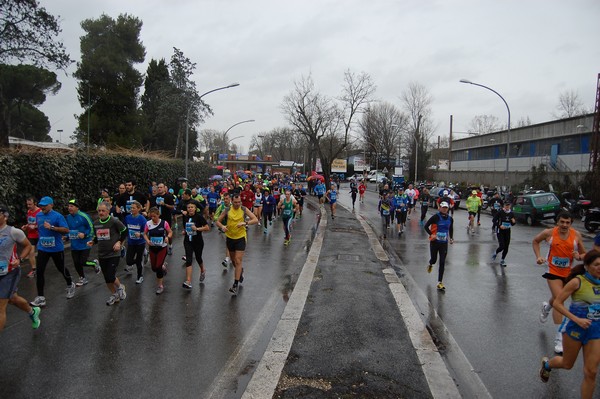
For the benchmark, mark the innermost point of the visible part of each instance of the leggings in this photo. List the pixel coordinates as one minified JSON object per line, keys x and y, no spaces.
{"x":287,"y":225}
{"x":157,"y":260}
{"x":424,"y":207}
{"x":436,"y":247}
{"x":193,"y":248}
{"x":503,"y":242}
{"x":135,"y":254}
{"x":80,"y":258}
{"x":42,"y":261}
{"x":267,"y":215}
{"x":109,"y":268}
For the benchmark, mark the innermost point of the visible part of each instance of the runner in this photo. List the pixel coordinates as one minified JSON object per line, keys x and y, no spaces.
{"x":51,"y":225}
{"x":193,"y":243}
{"x":320,"y":190}
{"x":583,"y":327}
{"x":411,"y":193}
{"x":213,"y":198}
{"x":480,"y":195}
{"x":473,"y":202}
{"x":81,"y":230}
{"x":441,"y":231}
{"x":110,"y":235}
{"x":332,"y":195}
{"x":353,"y":192}
{"x":289,"y":207}
{"x":10,"y":270}
{"x":385,"y":210}
{"x":258,"y":205}
{"x":157,"y":233}
{"x":361,"y":191}
{"x":495,"y":205}
{"x":235,"y":231}
{"x":165,"y":202}
{"x":269,"y":205}
{"x":504,"y":219}
{"x":424,"y":198}
{"x":400,"y":203}
{"x":31,"y":229}
{"x":224,"y":207}
{"x":299,"y":195}
{"x":565,"y":245}
{"x":136,"y":244}
{"x":125,"y":200}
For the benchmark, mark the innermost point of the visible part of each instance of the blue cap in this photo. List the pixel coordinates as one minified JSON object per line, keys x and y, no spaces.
{"x":46,"y":201}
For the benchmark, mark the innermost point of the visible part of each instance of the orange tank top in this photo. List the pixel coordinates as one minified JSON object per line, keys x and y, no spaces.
{"x":560,"y":254}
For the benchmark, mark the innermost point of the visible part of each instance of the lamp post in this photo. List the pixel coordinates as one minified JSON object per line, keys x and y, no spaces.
{"x":187,"y":122}
{"x":230,"y":140}
{"x":507,"y":130}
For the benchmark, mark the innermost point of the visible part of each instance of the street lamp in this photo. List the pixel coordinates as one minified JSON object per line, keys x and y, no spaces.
{"x":230,"y":140}
{"x":187,"y":123}
{"x":507,"y":130}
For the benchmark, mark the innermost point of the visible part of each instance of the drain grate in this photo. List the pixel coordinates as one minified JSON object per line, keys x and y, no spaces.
{"x":349,"y":258}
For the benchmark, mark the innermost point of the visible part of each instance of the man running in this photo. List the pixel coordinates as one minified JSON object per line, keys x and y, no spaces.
{"x":411,"y":193}
{"x":52,"y":225}
{"x":31,"y":230}
{"x":473,"y":203}
{"x":504,"y":219}
{"x":441,"y":231}
{"x":353,"y":192}
{"x":565,"y":244}
{"x":10,"y":270}
{"x":400,"y":203}
{"x":81,"y":230}
{"x":235,"y":231}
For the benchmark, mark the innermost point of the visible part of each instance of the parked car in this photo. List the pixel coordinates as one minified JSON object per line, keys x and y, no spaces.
{"x":534,"y":207}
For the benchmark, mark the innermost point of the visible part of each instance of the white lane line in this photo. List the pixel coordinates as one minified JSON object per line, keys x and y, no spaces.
{"x":266,"y":377}
{"x":438,"y":377}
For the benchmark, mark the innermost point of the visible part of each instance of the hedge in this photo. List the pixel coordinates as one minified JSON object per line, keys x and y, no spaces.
{"x":65,"y":176}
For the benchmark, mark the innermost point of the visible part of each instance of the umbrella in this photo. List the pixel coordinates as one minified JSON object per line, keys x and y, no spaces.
{"x":216,"y":177}
{"x":316,"y":177}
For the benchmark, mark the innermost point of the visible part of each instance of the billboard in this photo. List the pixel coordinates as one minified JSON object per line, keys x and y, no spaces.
{"x":360,"y":165}
{"x":338,"y":166}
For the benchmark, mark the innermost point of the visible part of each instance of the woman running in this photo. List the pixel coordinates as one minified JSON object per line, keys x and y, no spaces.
{"x":258,"y":204}
{"x":136,"y":244}
{"x":193,"y":243}
{"x":288,"y":207}
{"x":156,"y":233}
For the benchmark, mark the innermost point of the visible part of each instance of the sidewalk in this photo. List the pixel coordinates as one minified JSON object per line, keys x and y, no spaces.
{"x":352,"y":336}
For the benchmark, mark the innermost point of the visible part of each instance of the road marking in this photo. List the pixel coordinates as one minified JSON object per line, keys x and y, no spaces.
{"x":266,"y":377}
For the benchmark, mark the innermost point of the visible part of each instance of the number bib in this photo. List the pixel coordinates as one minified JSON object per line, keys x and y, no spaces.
{"x":47,"y":242}
{"x":441,"y":236}
{"x":160,"y":201}
{"x":287,"y":212}
{"x":385,"y":212}
{"x":506,"y":225}
{"x":103,"y":234}
{"x":594,"y":312}
{"x":73,"y":234}
{"x":157,"y":241}
{"x":3,"y":267}
{"x":188,"y":229}
{"x":560,"y":262}
{"x":128,"y":206}
{"x":31,"y":220}
{"x":133,"y":234}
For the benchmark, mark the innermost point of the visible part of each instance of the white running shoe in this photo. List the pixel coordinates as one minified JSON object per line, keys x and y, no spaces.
{"x":558,"y":346}
{"x":545,"y":311}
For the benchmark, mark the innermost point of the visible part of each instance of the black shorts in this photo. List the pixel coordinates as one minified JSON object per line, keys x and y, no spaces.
{"x":549,"y":276}
{"x":33,"y":241}
{"x":236,"y":244}
{"x":472,"y":213}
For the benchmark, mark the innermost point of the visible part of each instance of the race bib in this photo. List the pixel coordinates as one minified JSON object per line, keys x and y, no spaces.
{"x":594,"y":312}
{"x":441,"y":236}
{"x":3,"y":267}
{"x":160,"y":201}
{"x":103,"y":234}
{"x":287,"y":212}
{"x":157,"y":241}
{"x":385,"y":212}
{"x":47,"y":242}
{"x":128,"y":206}
{"x":212,"y":200}
{"x":73,"y":234}
{"x":506,"y":225}
{"x":31,"y":220}
{"x":133,"y":234}
{"x":560,"y":262}
{"x":188,"y":229}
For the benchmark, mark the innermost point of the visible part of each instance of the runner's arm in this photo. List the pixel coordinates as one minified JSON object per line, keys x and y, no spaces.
{"x":543,"y":236}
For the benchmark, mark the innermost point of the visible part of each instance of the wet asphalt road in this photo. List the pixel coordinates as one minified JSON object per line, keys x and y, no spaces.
{"x":491,"y":312}
{"x":200,"y":343}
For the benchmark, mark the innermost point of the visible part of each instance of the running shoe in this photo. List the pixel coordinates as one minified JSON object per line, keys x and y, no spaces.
{"x":81,"y":281}
{"x":140,"y":280}
{"x":234,"y":290}
{"x":226,"y":263}
{"x":242,"y":276}
{"x":558,"y":346}
{"x":478,"y":223}
{"x":35,"y":317}
{"x":494,"y":256}
{"x":544,"y":372}
{"x":545,"y":311}
{"x":202,"y":276}
{"x":183,"y":258}
{"x":129,"y":269}
{"x":114,"y":298}
{"x":121,"y":292}
{"x":429,"y":268}
{"x":265,"y":230}
{"x":39,"y":301}
{"x":170,"y":250}
{"x":97,"y":268}
{"x":71,"y":291}
{"x":187,"y":285}
{"x":258,"y":224}
{"x":159,"y":289}
{"x":31,"y":274}
{"x":441,"y":286}
{"x":503,"y":263}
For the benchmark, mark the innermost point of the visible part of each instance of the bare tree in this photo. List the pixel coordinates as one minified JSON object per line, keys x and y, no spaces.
{"x":324,"y":123}
{"x":482,"y":124}
{"x":524,"y":121}
{"x":417,"y":103}
{"x":569,"y":105}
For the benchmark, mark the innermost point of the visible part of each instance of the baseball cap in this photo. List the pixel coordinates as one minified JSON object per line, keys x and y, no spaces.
{"x":74,"y":202}
{"x":46,"y":201}
{"x":445,"y":192}
{"x":474,"y":192}
{"x":444,"y":204}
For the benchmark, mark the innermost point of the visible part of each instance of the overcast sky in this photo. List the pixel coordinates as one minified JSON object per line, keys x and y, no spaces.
{"x":527,"y":50}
